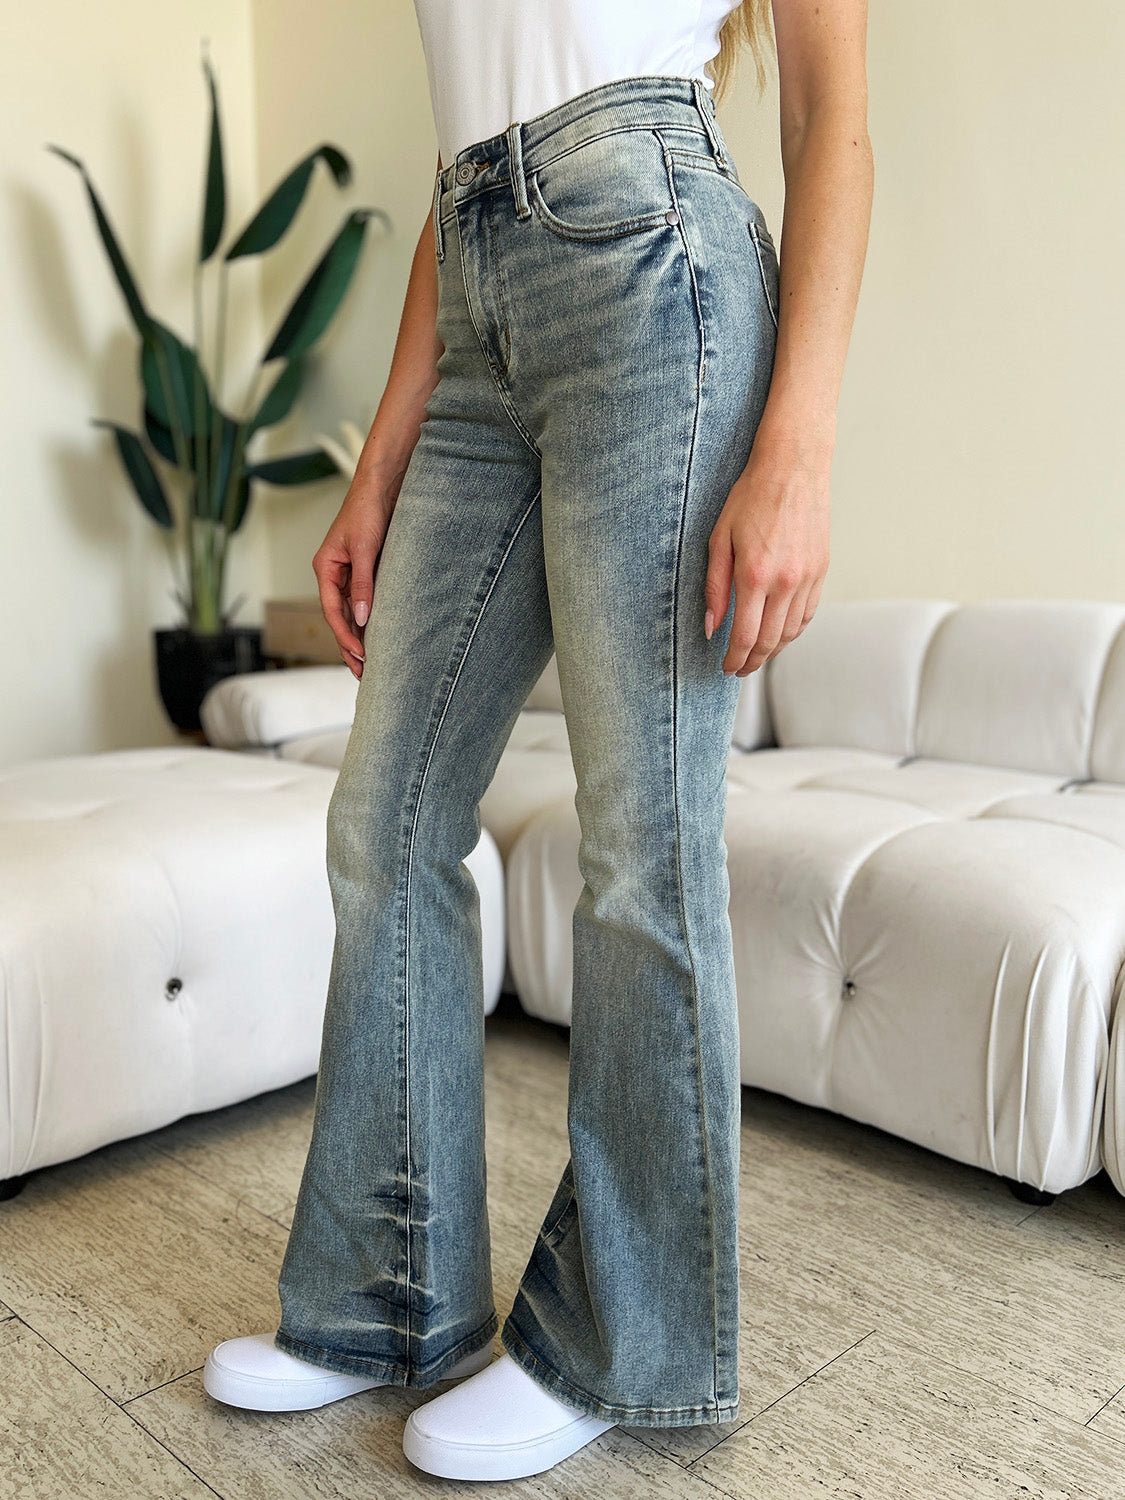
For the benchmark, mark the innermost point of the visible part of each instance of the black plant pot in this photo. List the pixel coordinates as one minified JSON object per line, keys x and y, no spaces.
{"x":188,"y":665}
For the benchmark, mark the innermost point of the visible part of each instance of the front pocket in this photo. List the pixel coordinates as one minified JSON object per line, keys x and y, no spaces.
{"x":605,"y":187}
{"x":768,"y":268}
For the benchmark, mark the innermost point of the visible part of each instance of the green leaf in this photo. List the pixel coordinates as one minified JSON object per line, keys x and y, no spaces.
{"x":215,"y":196}
{"x":317,"y":301}
{"x":180,"y":368}
{"x":278,"y":400}
{"x":159,"y":435}
{"x":120,"y":265}
{"x":295,"y":468}
{"x":231,"y":443}
{"x":206,"y":505}
{"x":138,"y":466}
{"x":280,"y":208}
{"x":242,"y":504}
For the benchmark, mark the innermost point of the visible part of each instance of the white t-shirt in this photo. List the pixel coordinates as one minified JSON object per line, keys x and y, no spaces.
{"x":494,"y":61}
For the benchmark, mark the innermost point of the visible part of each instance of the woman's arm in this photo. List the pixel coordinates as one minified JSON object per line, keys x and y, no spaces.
{"x":771,"y":540}
{"x":345,"y":562}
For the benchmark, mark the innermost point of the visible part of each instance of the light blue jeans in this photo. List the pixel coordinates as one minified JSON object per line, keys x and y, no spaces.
{"x":608,"y":297}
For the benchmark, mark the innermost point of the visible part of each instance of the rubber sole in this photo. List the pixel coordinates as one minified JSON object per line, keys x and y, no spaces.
{"x":498,"y":1460}
{"x":261,"y":1393}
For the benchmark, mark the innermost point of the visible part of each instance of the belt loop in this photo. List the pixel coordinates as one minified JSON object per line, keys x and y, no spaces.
{"x":439,"y":240}
{"x":699,"y":89}
{"x":515,"y":162}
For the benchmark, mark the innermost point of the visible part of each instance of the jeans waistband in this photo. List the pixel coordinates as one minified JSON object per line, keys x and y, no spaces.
{"x":506,"y":158}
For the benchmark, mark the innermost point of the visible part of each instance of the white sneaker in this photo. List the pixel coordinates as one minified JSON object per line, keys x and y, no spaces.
{"x":500,"y":1424}
{"x":253,"y":1372}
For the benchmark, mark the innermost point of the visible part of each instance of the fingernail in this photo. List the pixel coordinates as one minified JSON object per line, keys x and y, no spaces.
{"x":708,"y":623}
{"x":360,"y":612}
{"x":359,"y":656}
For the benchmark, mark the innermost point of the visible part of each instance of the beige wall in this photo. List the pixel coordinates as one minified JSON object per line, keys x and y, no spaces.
{"x":84,"y":574}
{"x":980,"y":441}
{"x":355,"y":76}
{"x":979,"y":444}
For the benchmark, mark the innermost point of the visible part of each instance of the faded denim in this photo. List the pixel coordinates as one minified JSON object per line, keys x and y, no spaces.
{"x":608,"y":300}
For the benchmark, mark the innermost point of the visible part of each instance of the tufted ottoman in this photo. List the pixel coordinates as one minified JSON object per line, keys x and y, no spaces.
{"x":166,"y":934}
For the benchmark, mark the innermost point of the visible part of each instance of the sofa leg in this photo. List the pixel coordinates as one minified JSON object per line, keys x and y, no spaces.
{"x":1028,"y":1194}
{"x":10,"y":1186}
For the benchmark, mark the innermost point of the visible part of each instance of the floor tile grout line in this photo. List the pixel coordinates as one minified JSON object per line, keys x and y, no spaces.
{"x":1015,"y":1228}
{"x":85,"y":1374}
{"x":162,"y":1386}
{"x":220,"y":1186}
{"x":632,"y":1436}
{"x":1062,"y":1417}
{"x":140,"y":1426}
{"x":117,"y":1405}
{"x":810,"y":1376}
{"x":1003,"y":1390}
{"x":1108,"y":1402}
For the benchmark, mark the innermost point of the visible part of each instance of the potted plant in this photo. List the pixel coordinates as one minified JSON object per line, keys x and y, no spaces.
{"x":192,"y":433}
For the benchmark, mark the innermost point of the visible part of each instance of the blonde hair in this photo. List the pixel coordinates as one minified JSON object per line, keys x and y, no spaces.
{"x":751,"y":24}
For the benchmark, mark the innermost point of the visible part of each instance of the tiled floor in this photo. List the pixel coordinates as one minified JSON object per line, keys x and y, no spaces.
{"x":909,"y":1328}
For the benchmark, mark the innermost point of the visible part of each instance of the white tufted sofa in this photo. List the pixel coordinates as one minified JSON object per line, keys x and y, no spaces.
{"x":926,"y":835}
{"x":166,"y":933}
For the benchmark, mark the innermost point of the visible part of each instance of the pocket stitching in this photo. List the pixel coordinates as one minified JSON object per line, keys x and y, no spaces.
{"x":762,"y":273}
{"x":616,"y":231}
{"x":619,"y":229}
{"x":703,"y":163}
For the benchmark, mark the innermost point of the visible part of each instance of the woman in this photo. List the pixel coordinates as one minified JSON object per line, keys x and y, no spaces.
{"x":606,"y":434}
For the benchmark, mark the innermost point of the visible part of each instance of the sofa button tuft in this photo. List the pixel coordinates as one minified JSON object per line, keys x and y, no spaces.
{"x":173,"y":988}
{"x":849,"y":987}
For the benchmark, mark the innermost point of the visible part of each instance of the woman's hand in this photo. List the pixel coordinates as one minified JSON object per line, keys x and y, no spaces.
{"x":771,"y":539}
{"x":346,"y":560}
{"x":345,"y":564}
{"x":771,"y":543}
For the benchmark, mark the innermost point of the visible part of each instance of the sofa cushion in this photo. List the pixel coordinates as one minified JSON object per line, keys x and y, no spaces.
{"x":547,"y":692}
{"x":326,"y":749}
{"x":167,"y":939}
{"x":267,"y":708}
{"x":1093,"y":808}
{"x":852,"y":677}
{"x":948,"y":788}
{"x":1107,"y":750}
{"x":525,"y":781}
{"x":1015,"y":683}
{"x":777,"y":768}
{"x":753,"y":728}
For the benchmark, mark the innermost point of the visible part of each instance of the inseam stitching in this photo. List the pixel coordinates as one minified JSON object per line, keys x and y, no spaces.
{"x":406,"y":909}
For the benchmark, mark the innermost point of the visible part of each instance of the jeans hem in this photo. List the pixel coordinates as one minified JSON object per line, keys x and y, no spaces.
{"x":387,"y":1371}
{"x":610,"y":1411}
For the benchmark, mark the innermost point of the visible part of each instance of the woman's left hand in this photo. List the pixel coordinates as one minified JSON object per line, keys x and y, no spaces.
{"x":771,"y":543}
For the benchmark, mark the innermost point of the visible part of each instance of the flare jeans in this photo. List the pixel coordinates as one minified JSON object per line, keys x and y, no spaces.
{"x":608,"y":300}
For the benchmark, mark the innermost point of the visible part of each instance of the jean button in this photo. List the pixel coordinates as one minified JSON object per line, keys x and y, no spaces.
{"x":465,"y":172}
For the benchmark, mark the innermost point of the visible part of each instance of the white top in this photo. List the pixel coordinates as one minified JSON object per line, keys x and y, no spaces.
{"x":494,"y":61}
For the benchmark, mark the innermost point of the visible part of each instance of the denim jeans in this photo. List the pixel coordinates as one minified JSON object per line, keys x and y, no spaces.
{"x":607,"y":306}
